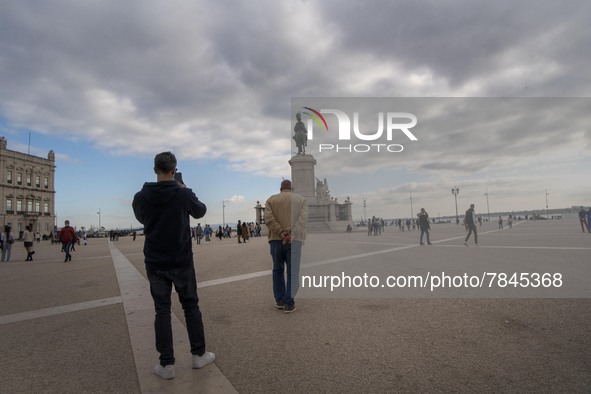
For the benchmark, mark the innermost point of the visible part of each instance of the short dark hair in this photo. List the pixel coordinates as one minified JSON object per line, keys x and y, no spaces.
{"x":164,"y":162}
{"x":285,"y":185}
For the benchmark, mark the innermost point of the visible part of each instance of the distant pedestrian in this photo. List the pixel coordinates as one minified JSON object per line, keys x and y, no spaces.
{"x":245,"y":232}
{"x":67,"y":237}
{"x":500,"y":223}
{"x":480,"y":221}
{"x":28,"y":239}
{"x":470,"y":225}
{"x":239,"y":231}
{"x":424,"y":225}
{"x":6,"y":240}
{"x":589,"y":220}
{"x":198,"y":233}
{"x":510,"y":221}
{"x":207,"y":232}
{"x":583,"y":219}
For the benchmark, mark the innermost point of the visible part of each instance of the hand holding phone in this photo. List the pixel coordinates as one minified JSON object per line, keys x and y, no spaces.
{"x":178,"y":176}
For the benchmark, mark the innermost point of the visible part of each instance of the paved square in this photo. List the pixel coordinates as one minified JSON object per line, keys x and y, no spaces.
{"x":73,"y":327}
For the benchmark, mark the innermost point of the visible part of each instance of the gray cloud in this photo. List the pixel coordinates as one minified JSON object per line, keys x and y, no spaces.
{"x":215,"y":79}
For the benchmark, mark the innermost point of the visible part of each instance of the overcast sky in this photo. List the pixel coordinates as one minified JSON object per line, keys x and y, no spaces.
{"x":107,"y":84}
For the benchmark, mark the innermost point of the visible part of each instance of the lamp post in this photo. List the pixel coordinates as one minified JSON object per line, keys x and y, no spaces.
{"x":412,"y":215}
{"x":487,"y":208}
{"x":455,"y":191}
{"x":99,"y":213}
{"x":547,"y":215}
{"x":365,"y":208}
{"x":224,"y":213}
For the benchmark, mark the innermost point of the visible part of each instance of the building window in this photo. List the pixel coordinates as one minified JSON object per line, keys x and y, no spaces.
{"x":29,"y":206}
{"x":9,"y":204}
{"x":9,"y":177}
{"x":37,"y":206}
{"x":19,"y":178}
{"x":46,"y":207}
{"x":28,"y":179}
{"x":46,"y":182}
{"x":37,"y":181}
{"x":19,"y":205}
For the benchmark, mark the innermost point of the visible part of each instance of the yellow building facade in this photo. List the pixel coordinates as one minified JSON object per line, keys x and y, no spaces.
{"x":27,"y":191}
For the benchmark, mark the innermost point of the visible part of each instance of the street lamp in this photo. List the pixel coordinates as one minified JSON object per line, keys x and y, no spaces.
{"x":455,"y":191}
{"x":547,"y":215}
{"x":487,"y":208}
{"x":224,"y":213}
{"x":411,"y":211}
{"x":365,"y":208}
{"x":99,"y":213}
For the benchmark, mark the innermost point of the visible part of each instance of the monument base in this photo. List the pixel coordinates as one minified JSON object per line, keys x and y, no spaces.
{"x":324,"y":213}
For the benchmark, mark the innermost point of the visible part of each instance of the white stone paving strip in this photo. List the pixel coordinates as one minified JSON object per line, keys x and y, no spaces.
{"x":22,"y":316}
{"x":237,"y":278}
{"x":139,"y":311}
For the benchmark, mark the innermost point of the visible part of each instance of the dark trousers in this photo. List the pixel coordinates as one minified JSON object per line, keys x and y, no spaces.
{"x":67,"y":247}
{"x":425,"y":231}
{"x":472,"y":228}
{"x":286,"y":270}
{"x":185,"y":284}
{"x":584,"y":224}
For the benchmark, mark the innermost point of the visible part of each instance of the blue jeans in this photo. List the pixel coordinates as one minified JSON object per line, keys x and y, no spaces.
{"x":6,"y":251}
{"x":67,"y":247}
{"x":185,"y":284}
{"x":286,"y":270}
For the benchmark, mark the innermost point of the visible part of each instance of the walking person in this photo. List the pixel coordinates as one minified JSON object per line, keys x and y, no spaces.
{"x":198,"y":233}
{"x":67,"y":237}
{"x":207,"y":231}
{"x":470,"y":225}
{"x":424,"y":225}
{"x":500,"y":223}
{"x":245,"y":232}
{"x":164,"y":207}
{"x":583,"y":219}
{"x":6,"y":240}
{"x":239,"y":231}
{"x":286,"y":217}
{"x":589,"y":220}
{"x":28,"y":238}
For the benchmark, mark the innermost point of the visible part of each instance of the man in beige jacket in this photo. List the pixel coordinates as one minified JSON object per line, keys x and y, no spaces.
{"x":286,"y":216}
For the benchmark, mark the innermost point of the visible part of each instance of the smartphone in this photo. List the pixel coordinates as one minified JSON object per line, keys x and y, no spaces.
{"x":178,"y":176}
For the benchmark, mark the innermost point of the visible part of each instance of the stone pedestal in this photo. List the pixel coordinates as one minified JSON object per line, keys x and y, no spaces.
{"x":302,"y":176}
{"x":324,"y":213}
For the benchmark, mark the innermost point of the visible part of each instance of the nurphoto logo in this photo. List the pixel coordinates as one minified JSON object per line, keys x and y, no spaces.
{"x":394,"y":124}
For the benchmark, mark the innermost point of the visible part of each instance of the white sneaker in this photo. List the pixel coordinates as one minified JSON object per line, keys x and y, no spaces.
{"x":165,"y":373}
{"x":465,"y":243}
{"x":202,"y":361}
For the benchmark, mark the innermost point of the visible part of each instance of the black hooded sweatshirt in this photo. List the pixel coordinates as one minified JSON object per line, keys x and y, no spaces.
{"x":164,"y":208}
